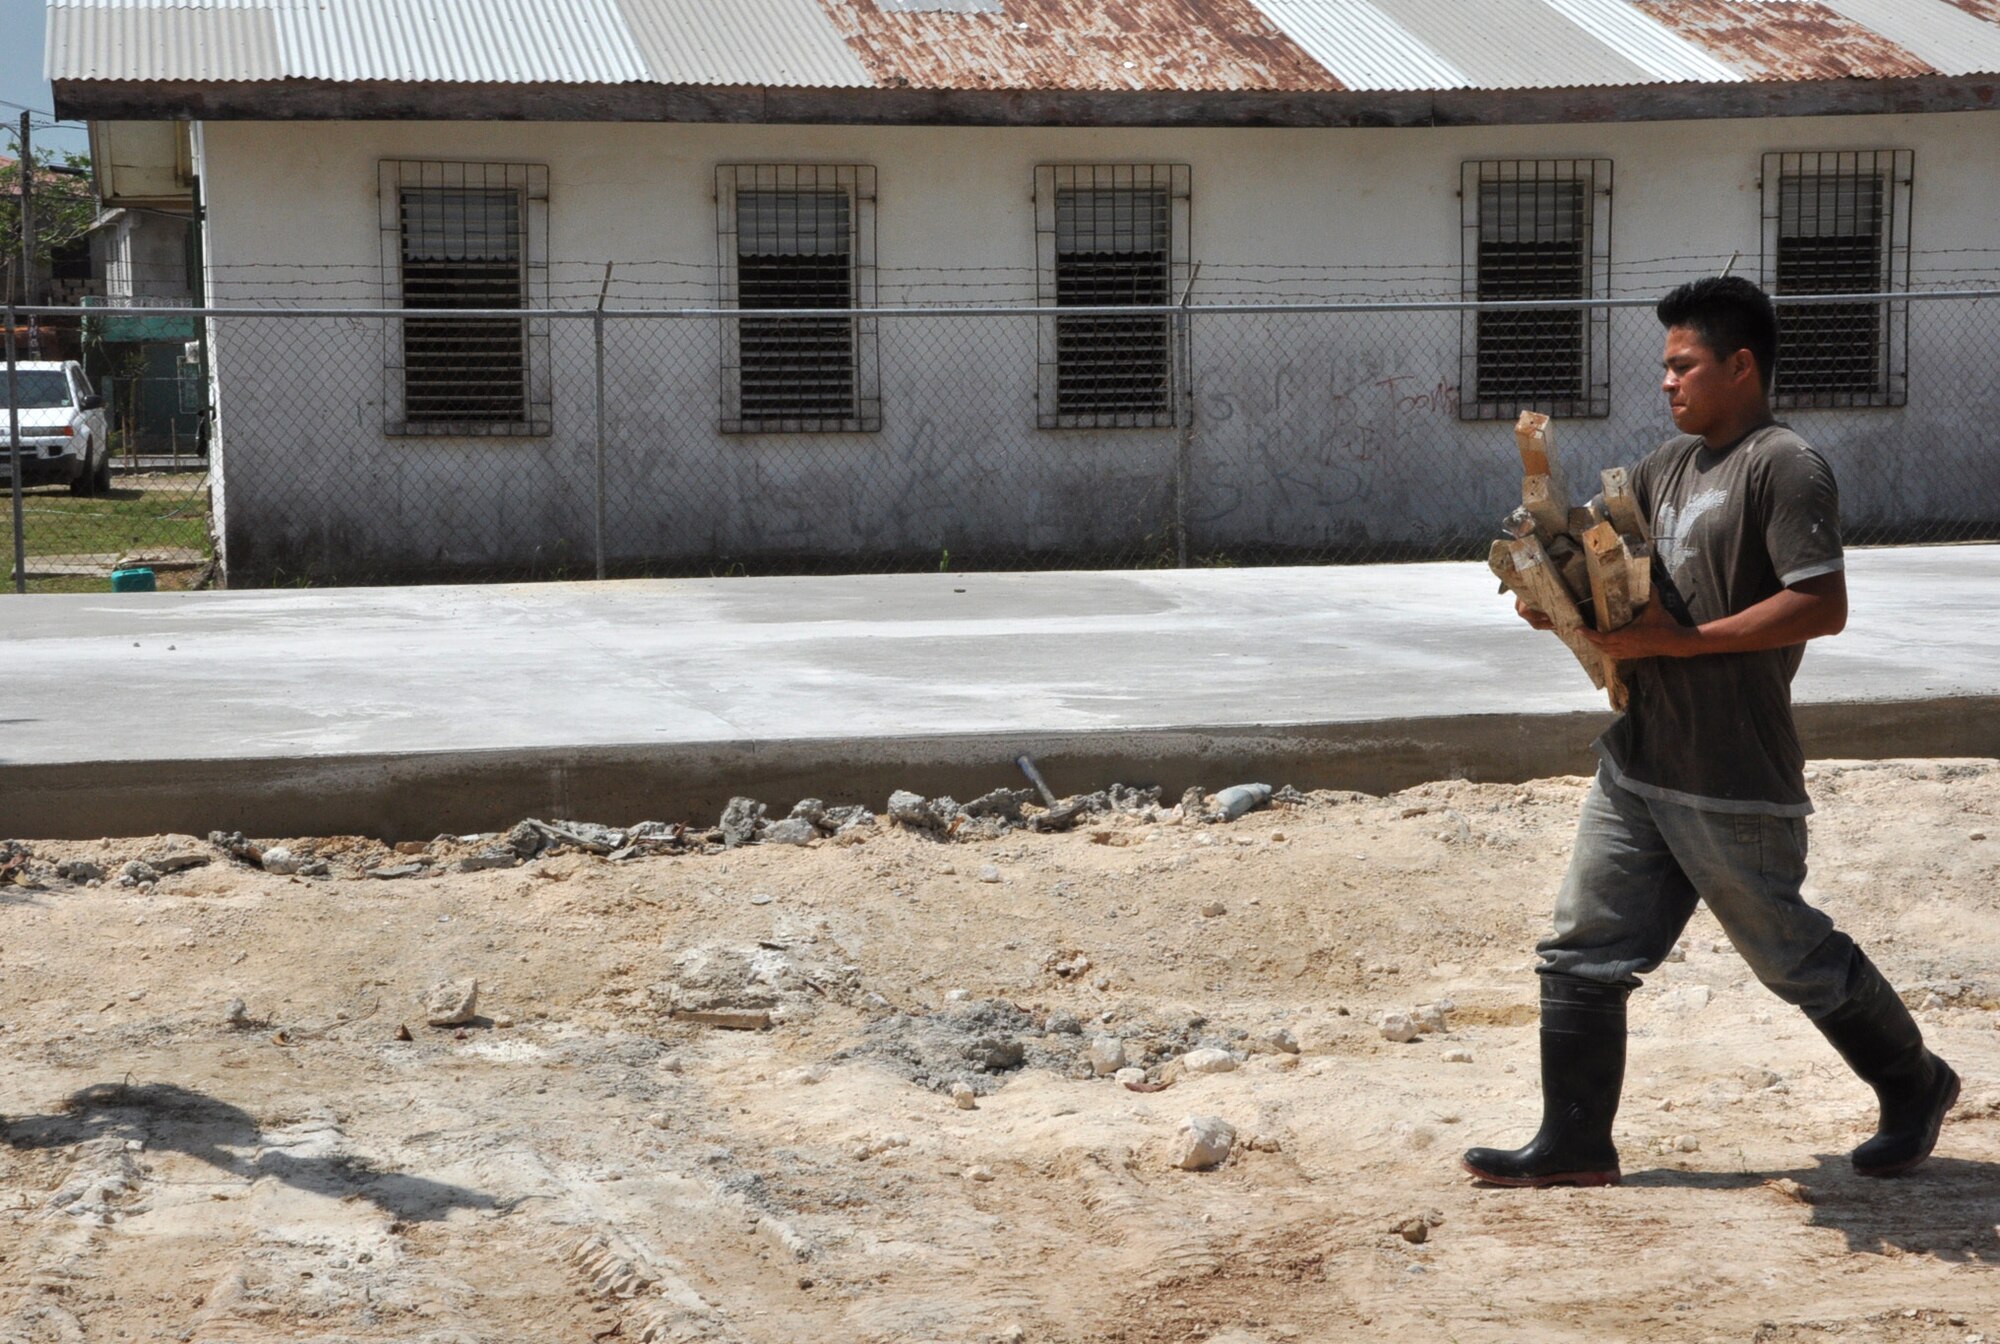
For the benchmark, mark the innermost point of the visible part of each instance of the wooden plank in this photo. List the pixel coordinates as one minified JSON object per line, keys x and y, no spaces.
{"x":1639,"y":573}
{"x":1568,"y":559}
{"x":1604,"y":550}
{"x":1533,"y":440}
{"x":1543,"y":498}
{"x":1621,"y":506}
{"x":1541,"y":589}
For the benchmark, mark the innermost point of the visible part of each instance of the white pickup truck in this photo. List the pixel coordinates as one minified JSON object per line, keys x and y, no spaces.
{"x":64,"y":436}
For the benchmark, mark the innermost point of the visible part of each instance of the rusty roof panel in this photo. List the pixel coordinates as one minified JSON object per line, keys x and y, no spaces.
{"x":1988,"y":10}
{"x":1785,"y":39}
{"x":1665,"y":55}
{"x":1194,"y":45}
{"x":1946,"y":38}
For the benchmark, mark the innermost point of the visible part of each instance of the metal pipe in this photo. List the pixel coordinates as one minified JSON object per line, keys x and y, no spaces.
{"x":14,"y":459}
{"x":1183,"y":404}
{"x":1115,"y":310}
{"x":1027,"y":765}
{"x":597,"y":333}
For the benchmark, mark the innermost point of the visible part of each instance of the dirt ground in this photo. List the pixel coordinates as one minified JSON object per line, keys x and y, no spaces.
{"x":578,"y":1163}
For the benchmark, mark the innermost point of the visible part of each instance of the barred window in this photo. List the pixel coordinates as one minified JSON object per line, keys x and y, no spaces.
{"x":799,"y":237}
{"x":1535,"y":229}
{"x":465,"y":236}
{"x":1109,"y":236}
{"x":1838,"y":223}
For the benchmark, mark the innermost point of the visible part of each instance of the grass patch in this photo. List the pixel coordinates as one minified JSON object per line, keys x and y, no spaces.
{"x":149,"y":512}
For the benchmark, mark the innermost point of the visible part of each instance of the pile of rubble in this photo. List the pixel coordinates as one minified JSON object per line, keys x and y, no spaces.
{"x":745,"y":821}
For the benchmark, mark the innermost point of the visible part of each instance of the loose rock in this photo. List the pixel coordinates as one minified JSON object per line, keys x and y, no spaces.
{"x":1431,"y":1017}
{"x":727,"y":1019}
{"x":451,"y":1003}
{"x":1397,"y":1027}
{"x":791,"y":831}
{"x":921,"y":813}
{"x":1275,"y":1040}
{"x":394,"y":871}
{"x":473,"y":863}
{"x":1106,"y":1055}
{"x":1201,"y":1142}
{"x":964,"y":1097}
{"x":135,"y":872}
{"x":741,"y":820}
{"x":1209,"y":1060}
{"x":283,"y":862}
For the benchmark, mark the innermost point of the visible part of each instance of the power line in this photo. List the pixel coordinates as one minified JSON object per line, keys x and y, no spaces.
{"x":51,"y":118}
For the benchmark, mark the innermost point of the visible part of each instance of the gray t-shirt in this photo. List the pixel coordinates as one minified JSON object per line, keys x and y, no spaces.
{"x":1731,"y":527}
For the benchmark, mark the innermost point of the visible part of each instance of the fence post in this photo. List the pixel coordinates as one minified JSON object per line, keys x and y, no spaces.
{"x":1183,"y":358}
{"x":14,"y":458}
{"x":597,"y":338}
{"x":597,"y":333}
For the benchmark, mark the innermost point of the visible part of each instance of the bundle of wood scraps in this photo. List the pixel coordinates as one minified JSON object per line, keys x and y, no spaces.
{"x":1587,"y":565}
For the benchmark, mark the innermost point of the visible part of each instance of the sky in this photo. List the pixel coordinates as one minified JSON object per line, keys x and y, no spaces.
{"x":21,"y":82}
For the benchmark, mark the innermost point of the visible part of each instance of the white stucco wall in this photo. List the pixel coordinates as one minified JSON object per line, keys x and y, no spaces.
{"x":1310,"y":430}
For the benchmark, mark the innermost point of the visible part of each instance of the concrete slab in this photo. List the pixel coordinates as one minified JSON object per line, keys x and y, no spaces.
{"x":408,"y":711}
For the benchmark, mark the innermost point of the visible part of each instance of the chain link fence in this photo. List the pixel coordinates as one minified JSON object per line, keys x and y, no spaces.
{"x":352,"y":445}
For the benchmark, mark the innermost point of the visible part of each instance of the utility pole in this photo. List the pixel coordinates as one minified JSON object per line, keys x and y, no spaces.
{"x":27,"y":167}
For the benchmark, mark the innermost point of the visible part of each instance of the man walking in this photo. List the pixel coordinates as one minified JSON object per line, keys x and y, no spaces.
{"x":1700,"y":789}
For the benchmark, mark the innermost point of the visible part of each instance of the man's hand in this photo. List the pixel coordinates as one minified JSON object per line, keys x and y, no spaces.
{"x":1533,"y":617}
{"x":1653,"y":633}
{"x":1806,"y":610}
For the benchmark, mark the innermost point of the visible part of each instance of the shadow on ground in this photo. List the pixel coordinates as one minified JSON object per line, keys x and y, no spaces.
{"x":1945,"y":1208}
{"x":166,"y":1116}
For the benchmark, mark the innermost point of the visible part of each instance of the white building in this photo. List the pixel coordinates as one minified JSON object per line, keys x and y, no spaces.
{"x":870,"y":153}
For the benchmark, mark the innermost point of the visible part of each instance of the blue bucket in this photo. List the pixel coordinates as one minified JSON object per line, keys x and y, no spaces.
{"x":132,"y":581}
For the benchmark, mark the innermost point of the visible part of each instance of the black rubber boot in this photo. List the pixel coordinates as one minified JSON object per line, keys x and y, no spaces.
{"x":1583,"y":1069}
{"x":1880,"y":1041}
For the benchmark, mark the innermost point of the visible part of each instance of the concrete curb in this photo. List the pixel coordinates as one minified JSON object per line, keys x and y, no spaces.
{"x":417,"y":795}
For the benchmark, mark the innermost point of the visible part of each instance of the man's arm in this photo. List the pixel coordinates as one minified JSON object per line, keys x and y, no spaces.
{"x":1807,"y":610}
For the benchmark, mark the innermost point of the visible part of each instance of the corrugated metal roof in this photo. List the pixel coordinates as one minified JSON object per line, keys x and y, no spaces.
{"x":460,"y":41}
{"x":1081,"y":44}
{"x":1663,"y":53}
{"x":1786,"y":39}
{"x":1363,"y":47}
{"x":138,"y":42}
{"x":1275,"y":46}
{"x":1941,"y":35}
{"x":1513,"y":44}
{"x":789,"y":43}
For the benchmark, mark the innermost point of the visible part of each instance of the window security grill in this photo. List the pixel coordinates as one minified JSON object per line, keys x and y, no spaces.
{"x":1535,"y":229}
{"x":799,"y":237}
{"x":1109,"y":236}
{"x":1838,"y":223}
{"x":467,"y":236}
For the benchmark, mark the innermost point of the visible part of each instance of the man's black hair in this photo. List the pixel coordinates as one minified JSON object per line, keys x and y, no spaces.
{"x":1729,"y":314}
